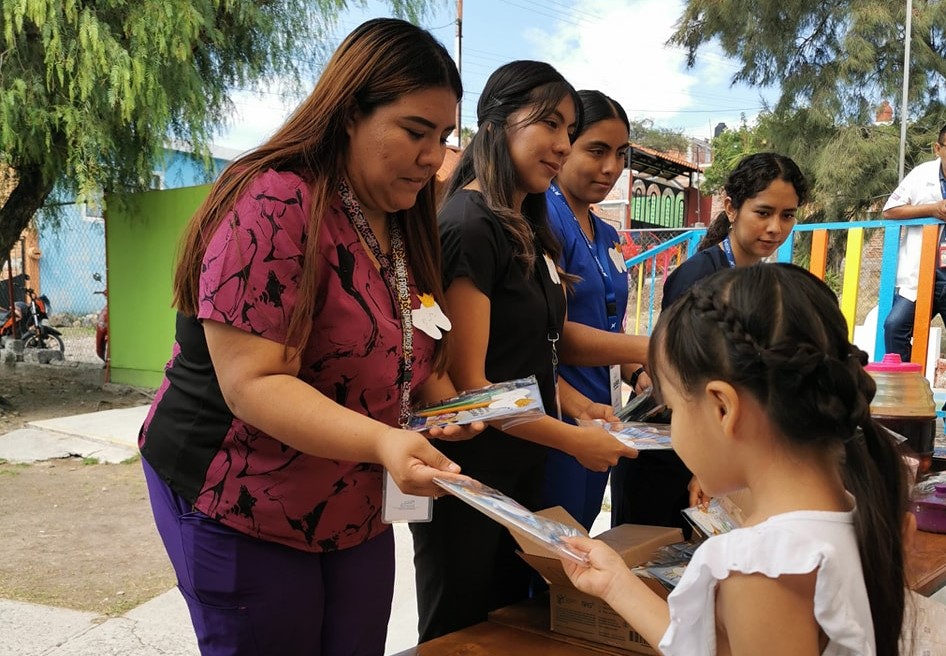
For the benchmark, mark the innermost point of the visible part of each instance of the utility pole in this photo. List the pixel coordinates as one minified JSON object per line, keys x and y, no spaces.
{"x":458,"y":48}
{"x":906,"y":87}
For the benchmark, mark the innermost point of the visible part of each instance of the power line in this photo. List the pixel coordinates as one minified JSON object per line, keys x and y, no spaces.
{"x":717,"y":110}
{"x":571,"y":7}
{"x":559,"y":18}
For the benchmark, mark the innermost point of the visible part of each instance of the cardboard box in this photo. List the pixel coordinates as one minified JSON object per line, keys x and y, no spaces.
{"x":574,"y":613}
{"x":577,"y":614}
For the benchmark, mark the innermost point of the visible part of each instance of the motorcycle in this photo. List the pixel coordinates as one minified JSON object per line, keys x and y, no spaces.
{"x":101,"y":324}
{"x":29,"y":321}
{"x":15,"y":323}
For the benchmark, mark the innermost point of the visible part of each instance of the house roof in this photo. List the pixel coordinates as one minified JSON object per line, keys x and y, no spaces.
{"x":656,"y":163}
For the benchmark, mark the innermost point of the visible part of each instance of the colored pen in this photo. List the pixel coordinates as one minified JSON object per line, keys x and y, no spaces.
{"x":457,"y":408}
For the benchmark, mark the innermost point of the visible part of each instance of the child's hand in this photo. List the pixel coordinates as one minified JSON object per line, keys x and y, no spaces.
{"x":455,"y":433}
{"x":604,"y":571}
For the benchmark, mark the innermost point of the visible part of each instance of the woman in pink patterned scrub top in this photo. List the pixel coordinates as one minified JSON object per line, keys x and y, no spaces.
{"x":309,"y":319}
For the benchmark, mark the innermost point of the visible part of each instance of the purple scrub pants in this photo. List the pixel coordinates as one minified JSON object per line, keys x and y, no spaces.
{"x":247,"y":596}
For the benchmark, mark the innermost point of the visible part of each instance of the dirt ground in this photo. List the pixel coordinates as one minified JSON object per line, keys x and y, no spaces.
{"x":74,"y":534}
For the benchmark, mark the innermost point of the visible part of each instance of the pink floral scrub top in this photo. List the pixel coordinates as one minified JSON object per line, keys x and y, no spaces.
{"x":251,"y":271}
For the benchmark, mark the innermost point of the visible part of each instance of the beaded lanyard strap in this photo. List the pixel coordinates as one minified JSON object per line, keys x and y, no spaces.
{"x":395,"y":274}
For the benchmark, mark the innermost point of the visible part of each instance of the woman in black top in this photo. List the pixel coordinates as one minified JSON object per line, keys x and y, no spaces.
{"x":763,"y":194}
{"x":507,"y":305}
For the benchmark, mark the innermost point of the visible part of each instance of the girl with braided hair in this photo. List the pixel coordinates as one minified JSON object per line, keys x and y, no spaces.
{"x":768,"y":394}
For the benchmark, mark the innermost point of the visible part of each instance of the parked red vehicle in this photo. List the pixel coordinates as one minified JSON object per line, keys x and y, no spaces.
{"x":101,"y":324}
{"x":15,"y":323}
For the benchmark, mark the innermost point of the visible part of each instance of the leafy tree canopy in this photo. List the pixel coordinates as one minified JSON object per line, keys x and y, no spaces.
{"x":835,"y":63}
{"x":90,"y":90}
{"x":644,"y":133}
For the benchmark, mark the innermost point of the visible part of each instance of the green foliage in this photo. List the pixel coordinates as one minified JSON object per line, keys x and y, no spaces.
{"x":842,"y":57}
{"x":665,"y":140}
{"x":729,"y":147}
{"x":90,"y":90}
{"x":835,"y":62}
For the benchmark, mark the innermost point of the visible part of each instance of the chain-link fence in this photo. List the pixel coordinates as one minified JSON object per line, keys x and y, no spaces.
{"x":646,"y":280}
{"x":57,"y":258}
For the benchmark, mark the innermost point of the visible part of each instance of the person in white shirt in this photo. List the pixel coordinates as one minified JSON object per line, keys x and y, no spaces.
{"x":922,"y":193}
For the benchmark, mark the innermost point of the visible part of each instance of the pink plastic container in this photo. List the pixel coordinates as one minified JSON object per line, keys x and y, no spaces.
{"x":930,"y":510}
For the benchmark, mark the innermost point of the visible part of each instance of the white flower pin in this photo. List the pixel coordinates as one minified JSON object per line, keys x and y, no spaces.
{"x":429,"y":318}
{"x":617,"y":257}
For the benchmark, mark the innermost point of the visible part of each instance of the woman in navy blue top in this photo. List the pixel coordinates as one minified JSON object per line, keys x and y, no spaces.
{"x":590,"y":252}
{"x":762,"y":196}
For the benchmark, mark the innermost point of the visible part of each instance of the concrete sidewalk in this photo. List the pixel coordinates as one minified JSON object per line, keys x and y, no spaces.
{"x":160,"y":627}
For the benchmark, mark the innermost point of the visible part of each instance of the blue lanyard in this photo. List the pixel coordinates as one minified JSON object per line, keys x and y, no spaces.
{"x":727,"y":249}
{"x":942,"y":182}
{"x":599,"y":253}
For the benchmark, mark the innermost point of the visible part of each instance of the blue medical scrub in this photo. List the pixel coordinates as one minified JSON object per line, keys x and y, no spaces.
{"x":598,"y":300}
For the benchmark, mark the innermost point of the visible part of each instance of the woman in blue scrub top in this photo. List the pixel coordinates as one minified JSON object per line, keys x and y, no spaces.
{"x":591,"y":251}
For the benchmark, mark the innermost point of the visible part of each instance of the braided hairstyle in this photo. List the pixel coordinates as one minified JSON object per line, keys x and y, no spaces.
{"x":776,"y":332}
{"x":752,"y":176}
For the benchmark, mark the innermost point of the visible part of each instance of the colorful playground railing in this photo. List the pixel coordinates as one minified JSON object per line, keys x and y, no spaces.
{"x":654,"y":263}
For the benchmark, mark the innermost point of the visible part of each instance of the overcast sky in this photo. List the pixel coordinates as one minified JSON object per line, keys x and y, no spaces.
{"x":616,"y":46}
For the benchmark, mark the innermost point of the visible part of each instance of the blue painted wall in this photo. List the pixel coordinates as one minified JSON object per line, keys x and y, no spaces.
{"x":73,"y":246}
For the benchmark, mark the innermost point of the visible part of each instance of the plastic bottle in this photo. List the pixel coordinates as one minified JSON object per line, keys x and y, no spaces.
{"x":904,"y":404}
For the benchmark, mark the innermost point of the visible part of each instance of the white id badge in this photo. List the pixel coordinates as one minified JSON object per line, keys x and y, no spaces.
{"x":400,"y":507}
{"x":616,"y":385}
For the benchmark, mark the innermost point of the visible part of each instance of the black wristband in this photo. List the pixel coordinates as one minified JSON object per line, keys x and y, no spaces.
{"x":634,"y":376}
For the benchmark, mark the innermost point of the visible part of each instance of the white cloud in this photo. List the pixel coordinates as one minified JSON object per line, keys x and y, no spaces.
{"x":255,"y":117}
{"x":619,"y":47}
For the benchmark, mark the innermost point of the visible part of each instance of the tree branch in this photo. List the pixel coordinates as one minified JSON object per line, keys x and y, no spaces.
{"x":27,"y":196}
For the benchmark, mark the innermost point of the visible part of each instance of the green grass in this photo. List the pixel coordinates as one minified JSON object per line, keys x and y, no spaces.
{"x":70,"y":331}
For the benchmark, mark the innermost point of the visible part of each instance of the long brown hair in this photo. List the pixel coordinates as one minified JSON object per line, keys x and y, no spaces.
{"x":379,"y":62}
{"x":511,"y":87}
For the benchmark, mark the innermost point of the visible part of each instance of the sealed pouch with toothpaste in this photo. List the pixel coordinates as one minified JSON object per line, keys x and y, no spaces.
{"x":508,"y":403}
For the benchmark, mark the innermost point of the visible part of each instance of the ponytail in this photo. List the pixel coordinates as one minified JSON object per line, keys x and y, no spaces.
{"x":716,"y":232}
{"x":875,"y":474}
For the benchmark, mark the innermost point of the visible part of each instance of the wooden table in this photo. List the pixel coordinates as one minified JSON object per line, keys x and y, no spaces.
{"x":523,"y":629}
{"x":491,"y":639}
{"x":926,"y":562}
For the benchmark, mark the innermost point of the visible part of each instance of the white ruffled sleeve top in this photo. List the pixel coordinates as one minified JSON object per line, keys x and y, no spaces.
{"x":792,"y":543}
